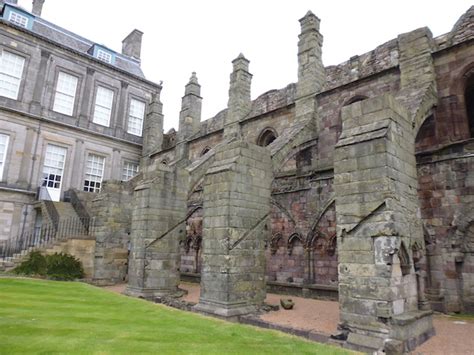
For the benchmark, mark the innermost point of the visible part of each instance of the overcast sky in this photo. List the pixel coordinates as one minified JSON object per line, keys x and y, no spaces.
{"x":182,"y":36}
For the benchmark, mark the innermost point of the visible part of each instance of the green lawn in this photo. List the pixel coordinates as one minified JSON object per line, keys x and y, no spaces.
{"x":67,"y":317}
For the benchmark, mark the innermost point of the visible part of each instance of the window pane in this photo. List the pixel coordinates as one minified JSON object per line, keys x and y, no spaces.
{"x":103,"y":106}
{"x":11,"y":70}
{"x":53,"y":166}
{"x":130,"y":169}
{"x":102,"y":55}
{"x":65,"y":94}
{"x":3,"y":152}
{"x":18,"y":19}
{"x":135,"y":117}
{"x":94,"y":173}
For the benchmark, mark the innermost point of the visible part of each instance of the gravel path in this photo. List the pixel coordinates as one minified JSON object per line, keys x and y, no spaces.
{"x":454,"y":336}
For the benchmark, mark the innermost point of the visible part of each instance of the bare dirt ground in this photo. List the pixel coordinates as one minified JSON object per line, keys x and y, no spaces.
{"x":454,"y":336}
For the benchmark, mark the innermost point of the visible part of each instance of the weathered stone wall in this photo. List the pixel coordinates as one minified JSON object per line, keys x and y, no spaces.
{"x":446,"y":193}
{"x":112,"y":210}
{"x":82,"y":249}
{"x":197,"y":146}
{"x":278,"y":120}
{"x":445,"y":175}
{"x":330,"y":104}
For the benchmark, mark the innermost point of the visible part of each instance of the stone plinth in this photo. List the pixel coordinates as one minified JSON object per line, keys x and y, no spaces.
{"x":236,"y":213}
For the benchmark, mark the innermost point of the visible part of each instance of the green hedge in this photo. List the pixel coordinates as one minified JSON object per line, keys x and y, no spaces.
{"x":58,"y":266}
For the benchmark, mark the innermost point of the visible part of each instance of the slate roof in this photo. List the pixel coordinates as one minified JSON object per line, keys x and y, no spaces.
{"x":75,"y":42}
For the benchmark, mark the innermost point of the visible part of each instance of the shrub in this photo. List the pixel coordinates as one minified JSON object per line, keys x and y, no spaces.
{"x":58,"y":266}
{"x":36,"y":264}
{"x":61,"y":266}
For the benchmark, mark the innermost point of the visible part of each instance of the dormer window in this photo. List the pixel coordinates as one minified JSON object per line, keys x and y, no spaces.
{"x":18,"y":19}
{"x":103,"y":55}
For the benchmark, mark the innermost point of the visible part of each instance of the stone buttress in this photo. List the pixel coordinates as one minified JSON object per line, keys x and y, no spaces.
{"x":235,"y":227}
{"x":112,"y":209}
{"x":159,"y":212}
{"x":381,"y":296}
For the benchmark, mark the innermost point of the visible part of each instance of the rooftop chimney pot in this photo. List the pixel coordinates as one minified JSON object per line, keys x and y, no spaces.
{"x":37,"y":7}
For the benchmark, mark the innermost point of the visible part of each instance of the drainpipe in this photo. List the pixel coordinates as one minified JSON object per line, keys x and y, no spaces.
{"x":33,"y":160}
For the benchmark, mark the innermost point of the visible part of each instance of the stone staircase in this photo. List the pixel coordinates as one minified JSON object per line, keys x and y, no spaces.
{"x":9,"y":263}
{"x":53,"y":236}
{"x":66,"y":227}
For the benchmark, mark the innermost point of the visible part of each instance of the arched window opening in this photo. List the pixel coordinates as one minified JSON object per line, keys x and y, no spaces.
{"x":267,"y":136}
{"x":426,"y":136}
{"x":205,"y":150}
{"x":469,"y":100}
{"x":354,"y":99}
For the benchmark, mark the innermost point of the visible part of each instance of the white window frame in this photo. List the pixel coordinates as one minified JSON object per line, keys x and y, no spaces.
{"x":65,"y":94}
{"x":18,"y":19}
{"x":3,"y":154}
{"x":129,"y":170}
{"x":104,"y":56}
{"x":53,"y":170}
{"x":103,"y":106}
{"x":10,"y":77}
{"x":135,"y":119}
{"x":94,"y":173}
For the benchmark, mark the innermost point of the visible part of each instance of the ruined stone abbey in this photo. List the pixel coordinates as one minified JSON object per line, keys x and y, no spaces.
{"x":356,"y":183}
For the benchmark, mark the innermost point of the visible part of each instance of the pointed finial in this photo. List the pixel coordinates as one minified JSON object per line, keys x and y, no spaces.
{"x":241,"y":63}
{"x":193,"y":79}
{"x":309,"y":22}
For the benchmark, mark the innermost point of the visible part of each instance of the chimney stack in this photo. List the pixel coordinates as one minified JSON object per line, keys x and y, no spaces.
{"x":37,"y":7}
{"x":132,"y":44}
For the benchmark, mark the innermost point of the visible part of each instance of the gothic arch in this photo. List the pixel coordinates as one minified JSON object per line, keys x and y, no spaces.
{"x":267,"y":136}
{"x":355,"y":98}
{"x":283,"y":210}
{"x":312,"y":235}
{"x":426,"y":135}
{"x":294,"y":151}
{"x":274,"y":242}
{"x":292,"y":240}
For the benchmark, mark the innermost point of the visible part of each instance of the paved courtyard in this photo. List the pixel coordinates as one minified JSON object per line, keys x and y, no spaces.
{"x":453,"y":335}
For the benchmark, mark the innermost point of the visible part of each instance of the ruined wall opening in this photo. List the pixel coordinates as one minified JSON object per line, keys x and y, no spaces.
{"x":205,"y":150}
{"x":267,"y":136}
{"x":469,"y":100}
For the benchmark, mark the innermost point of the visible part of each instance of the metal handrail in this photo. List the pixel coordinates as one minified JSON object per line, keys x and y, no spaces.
{"x":46,"y":235}
{"x":43,"y":195}
{"x":72,"y":197}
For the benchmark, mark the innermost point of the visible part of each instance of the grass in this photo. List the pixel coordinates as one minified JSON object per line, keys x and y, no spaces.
{"x":38,"y":316}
